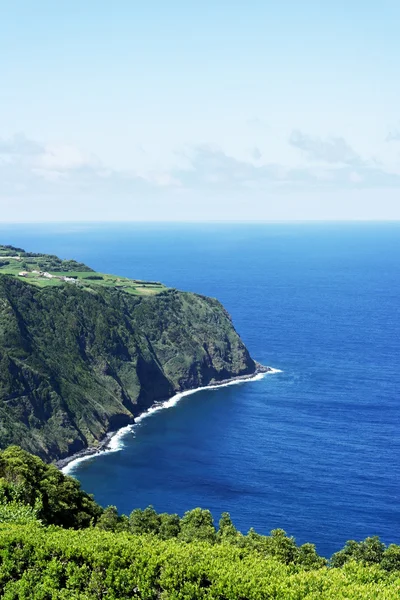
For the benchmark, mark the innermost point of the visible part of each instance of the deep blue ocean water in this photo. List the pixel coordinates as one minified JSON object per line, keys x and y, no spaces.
{"x":315,"y":449}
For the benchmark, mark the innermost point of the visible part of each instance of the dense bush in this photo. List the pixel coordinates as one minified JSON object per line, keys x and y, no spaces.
{"x":11,"y":250}
{"x":57,"y":543}
{"x":53,"y":563}
{"x":57,"y":499}
{"x":47,"y":262}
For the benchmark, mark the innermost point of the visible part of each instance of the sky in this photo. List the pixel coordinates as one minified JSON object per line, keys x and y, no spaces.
{"x":199,"y":111}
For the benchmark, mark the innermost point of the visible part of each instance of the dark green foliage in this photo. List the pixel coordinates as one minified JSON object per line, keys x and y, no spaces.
{"x":110,"y":520}
{"x":278,"y":545}
{"x":75,"y":364}
{"x":227,"y":532}
{"x":308,"y":557}
{"x":11,"y":250}
{"x":144,"y":521}
{"x":58,"y":499}
{"x":391,"y":558}
{"x":170,"y":526}
{"x":47,"y":262}
{"x":141,"y":282}
{"x":72,"y":265}
{"x":197,"y":524}
{"x":369,"y":552}
{"x":148,"y":521}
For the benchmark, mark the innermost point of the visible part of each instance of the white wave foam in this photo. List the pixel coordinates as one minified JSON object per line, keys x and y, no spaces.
{"x":67,"y":470}
{"x":116,"y":442}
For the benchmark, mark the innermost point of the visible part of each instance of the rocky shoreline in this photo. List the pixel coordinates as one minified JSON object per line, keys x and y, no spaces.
{"x":105,"y":442}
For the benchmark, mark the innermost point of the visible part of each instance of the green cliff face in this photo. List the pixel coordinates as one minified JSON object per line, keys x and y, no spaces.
{"x":76,"y":362}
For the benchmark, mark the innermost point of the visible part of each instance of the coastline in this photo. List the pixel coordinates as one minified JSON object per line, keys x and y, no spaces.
{"x":111,"y":440}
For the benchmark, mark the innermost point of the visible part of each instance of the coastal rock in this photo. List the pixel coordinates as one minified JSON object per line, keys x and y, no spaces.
{"x":76,"y":364}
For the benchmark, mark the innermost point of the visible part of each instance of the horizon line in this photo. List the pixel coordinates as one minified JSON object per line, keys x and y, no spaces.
{"x":201,"y":222}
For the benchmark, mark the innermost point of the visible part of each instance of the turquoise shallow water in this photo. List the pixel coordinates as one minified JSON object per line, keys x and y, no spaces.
{"x":314,"y":449}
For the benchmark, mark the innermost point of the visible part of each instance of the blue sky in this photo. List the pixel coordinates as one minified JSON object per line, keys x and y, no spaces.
{"x":209,"y":110}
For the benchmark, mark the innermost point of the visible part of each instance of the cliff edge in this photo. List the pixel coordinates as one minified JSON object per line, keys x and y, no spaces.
{"x":77,"y":362}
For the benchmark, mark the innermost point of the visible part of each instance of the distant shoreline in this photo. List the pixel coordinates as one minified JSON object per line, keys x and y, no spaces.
{"x":106,"y":443}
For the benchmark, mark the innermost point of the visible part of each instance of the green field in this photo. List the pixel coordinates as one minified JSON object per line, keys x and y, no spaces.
{"x":14,"y":261}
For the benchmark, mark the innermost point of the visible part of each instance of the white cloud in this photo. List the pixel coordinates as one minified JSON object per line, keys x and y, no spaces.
{"x":162,"y":179}
{"x":19,"y":145}
{"x":210,"y":166}
{"x":31,"y":168}
{"x":331,"y":150}
{"x":65,"y":158}
{"x":393,"y":136}
{"x":61,"y":181}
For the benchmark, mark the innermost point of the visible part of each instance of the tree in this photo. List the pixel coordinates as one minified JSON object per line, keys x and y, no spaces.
{"x":109,"y":519}
{"x":369,"y":552}
{"x":349,"y":552}
{"x":277,"y":544}
{"x":227,"y":532}
{"x":391,"y":558}
{"x":197,"y":524}
{"x":170,"y":526}
{"x":144,"y":521}
{"x":58,"y":498}
{"x":308,"y":557}
{"x":282,"y":547}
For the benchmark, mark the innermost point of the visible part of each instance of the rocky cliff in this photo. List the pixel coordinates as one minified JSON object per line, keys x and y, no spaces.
{"x":76,"y":363}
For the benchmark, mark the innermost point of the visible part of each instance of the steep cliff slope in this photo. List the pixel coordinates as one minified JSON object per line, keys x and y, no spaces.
{"x":77,"y":362}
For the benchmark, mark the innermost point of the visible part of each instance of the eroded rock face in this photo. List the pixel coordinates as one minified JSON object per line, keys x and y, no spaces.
{"x":75,"y":364}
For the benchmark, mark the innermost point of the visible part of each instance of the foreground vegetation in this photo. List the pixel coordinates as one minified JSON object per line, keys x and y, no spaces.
{"x":57,"y":543}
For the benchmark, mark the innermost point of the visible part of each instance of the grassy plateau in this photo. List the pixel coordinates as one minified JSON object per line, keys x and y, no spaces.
{"x":45,"y":270}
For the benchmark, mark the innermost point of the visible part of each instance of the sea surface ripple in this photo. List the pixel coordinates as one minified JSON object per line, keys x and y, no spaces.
{"x":314,"y":449}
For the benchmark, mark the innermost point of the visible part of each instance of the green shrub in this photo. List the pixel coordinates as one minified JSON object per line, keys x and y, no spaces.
{"x":26,"y":479}
{"x":53,"y":563}
{"x":57,"y":543}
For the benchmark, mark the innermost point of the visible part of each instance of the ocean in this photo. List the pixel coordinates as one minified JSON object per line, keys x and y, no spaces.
{"x":314,"y":449}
